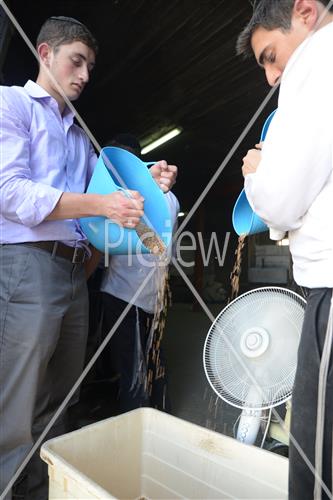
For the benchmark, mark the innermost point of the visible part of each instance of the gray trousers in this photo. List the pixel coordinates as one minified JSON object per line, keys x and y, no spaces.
{"x":43,"y":331}
{"x":304,"y":400}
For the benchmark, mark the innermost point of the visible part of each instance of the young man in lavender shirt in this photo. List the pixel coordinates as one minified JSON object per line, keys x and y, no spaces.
{"x":46,"y":163}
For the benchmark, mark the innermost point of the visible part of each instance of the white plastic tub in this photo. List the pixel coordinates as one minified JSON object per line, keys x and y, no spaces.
{"x":149,"y":454}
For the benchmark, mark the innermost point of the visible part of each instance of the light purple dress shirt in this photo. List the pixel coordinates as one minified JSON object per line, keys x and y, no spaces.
{"x":42,"y":155}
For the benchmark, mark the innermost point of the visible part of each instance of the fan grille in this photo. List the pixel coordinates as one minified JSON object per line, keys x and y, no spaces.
{"x":269,"y":377}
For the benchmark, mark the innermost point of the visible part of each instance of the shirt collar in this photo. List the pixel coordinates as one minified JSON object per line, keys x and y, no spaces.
{"x":304,"y":48}
{"x":37,"y":92}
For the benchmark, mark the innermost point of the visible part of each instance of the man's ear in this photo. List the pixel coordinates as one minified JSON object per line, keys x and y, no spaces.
{"x":307,"y":12}
{"x":44,"y":53}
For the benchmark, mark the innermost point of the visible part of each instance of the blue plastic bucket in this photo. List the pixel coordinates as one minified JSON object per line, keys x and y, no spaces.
{"x":244,"y":220}
{"x":115,"y":170}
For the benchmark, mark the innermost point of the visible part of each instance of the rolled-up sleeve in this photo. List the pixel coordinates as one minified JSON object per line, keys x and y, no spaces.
{"x":22,"y":200}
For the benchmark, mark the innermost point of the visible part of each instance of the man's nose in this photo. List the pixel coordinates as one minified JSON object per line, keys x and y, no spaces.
{"x":273,"y":75}
{"x":84,"y":74}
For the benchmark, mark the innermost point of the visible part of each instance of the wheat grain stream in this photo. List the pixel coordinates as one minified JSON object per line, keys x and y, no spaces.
{"x":153,"y":242}
{"x":237,"y":269}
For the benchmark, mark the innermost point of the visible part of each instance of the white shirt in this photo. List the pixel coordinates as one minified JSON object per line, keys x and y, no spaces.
{"x":126,"y":273}
{"x":292,"y":189}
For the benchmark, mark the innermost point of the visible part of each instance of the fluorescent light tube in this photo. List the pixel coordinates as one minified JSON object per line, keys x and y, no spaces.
{"x":165,"y":138}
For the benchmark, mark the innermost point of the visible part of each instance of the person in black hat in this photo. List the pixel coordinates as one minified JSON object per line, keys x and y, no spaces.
{"x":127,"y":353}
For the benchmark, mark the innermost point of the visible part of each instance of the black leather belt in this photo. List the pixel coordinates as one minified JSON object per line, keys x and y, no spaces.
{"x":56,"y":248}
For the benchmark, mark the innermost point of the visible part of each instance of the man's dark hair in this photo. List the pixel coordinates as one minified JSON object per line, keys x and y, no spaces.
{"x":270,"y":15}
{"x":60,"y":30}
{"x":126,"y":141}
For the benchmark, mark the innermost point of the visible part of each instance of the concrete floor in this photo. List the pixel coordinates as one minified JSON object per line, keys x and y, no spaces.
{"x":191,"y":396}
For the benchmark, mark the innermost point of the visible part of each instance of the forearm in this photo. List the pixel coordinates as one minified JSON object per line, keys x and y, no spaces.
{"x":295,"y":166}
{"x":76,"y":205}
{"x":121,"y":209}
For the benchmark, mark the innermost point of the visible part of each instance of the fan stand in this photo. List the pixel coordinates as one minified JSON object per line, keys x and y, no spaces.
{"x":249,"y":423}
{"x":249,"y":426}
{"x":253,"y":343}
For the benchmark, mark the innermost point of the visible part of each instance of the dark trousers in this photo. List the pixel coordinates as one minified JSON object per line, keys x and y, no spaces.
{"x":121,"y":356}
{"x":304,"y":400}
{"x":43,"y":330}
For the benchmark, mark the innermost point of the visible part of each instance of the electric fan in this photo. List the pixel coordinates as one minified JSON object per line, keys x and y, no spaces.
{"x":250,"y":353}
